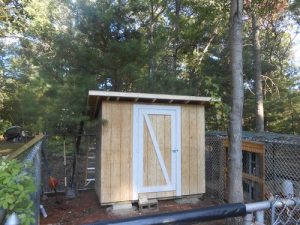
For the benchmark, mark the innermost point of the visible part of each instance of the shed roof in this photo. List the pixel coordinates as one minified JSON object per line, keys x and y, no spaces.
{"x":95,"y":97}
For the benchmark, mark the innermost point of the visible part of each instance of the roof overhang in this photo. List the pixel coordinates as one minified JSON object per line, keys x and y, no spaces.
{"x":96,"y":97}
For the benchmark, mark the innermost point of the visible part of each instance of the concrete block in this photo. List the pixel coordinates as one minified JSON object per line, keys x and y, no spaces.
{"x":122,"y":209}
{"x":122,"y":206}
{"x":151,"y":205}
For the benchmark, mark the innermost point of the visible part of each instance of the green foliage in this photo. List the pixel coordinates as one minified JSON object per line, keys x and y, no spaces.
{"x":70,"y":47}
{"x":4,"y":124}
{"x":56,"y":144}
{"x":13,"y":17}
{"x":16,"y":186}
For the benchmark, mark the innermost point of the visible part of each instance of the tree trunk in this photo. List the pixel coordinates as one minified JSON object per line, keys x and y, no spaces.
{"x":237,"y":98}
{"x":151,"y":44}
{"x":176,"y":36}
{"x":76,"y":152}
{"x":259,"y":116}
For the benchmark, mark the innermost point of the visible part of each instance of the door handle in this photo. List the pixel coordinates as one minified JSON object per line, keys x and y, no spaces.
{"x":175,"y":150}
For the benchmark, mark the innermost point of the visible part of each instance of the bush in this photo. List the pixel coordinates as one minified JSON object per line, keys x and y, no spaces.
{"x":16,"y":186}
{"x":4,"y":124}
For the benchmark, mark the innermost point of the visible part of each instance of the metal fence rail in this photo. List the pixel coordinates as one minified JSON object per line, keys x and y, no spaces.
{"x":282,"y":209}
{"x":286,"y":211}
{"x":184,"y":217}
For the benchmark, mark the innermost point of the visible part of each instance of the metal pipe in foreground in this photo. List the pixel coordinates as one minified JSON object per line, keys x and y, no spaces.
{"x":201,"y":215}
{"x":258,"y":206}
{"x":260,"y":216}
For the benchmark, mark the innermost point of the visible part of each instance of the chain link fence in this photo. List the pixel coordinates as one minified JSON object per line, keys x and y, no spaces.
{"x":55,"y":152}
{"x":282,"y":168}
{"x":215,"y":167}
{"x":32,"y":165}
{"x":35,"y":166}
{"x":34,"y":158}
{"x":271,"y":165}
{"x":278,"y":211}
{"x":288,"y":213}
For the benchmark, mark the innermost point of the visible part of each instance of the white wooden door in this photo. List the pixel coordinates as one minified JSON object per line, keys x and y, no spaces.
{"x":156,"y":149}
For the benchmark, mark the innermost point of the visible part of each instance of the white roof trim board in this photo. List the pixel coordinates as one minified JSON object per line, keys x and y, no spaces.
{"x":139,"y":97}
{"x":96,"y":97}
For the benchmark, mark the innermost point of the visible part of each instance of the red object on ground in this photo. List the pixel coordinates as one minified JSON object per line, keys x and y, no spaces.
{"x":52,"y":182}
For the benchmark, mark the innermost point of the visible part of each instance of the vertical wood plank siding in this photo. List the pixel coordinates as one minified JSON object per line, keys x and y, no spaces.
{"x":192,"y":147}
{"x":106,"y":160}
{"x":201,"y":148}
{"x":116,"y":151}
{"x":115,"y":181}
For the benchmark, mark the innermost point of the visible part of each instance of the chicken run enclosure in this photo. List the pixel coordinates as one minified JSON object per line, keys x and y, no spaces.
{"x":270,"y":161}
{"x":270,"y":165}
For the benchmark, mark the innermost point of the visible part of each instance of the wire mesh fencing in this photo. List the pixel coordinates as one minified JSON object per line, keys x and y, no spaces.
{"x":278,"y":211}
{"x":33,"y":159}
{"x":215,"y":167}
{"x":59,"y":163}
{"x":275,"y":167}
{"x":271,"y":168}
{"x":282,"y":168}
{"x":286,"y":211}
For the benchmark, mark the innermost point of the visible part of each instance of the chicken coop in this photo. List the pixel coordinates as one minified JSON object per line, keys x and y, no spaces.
{"x":148,"y":144}
{"x":270,"y":162}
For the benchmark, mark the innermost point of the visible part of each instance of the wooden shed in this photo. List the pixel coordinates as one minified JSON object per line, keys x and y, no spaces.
{"x":148,"y":144}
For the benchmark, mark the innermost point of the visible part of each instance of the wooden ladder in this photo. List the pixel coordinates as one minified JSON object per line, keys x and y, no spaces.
{"x":90,"y":162}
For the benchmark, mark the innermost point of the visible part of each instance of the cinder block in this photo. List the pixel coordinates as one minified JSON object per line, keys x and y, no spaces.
{"x":148,"y":206}
{"x":122,"y":206}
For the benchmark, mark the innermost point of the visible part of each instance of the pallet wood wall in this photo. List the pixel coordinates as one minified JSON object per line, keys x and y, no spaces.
{"x":114,"y":173}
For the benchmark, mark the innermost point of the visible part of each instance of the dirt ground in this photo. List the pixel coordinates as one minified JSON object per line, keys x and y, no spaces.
{"x":85,"y":209}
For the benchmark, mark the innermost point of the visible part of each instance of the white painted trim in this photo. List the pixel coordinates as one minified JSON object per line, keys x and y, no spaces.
{"x":131,"y":95}
{"x":139,"y":113}
{"x":157,"y":107}
{"x":140,"y":146}
{"x":178,"y":146}
{"x":157,"y":150}
{"x":157,"y":188}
